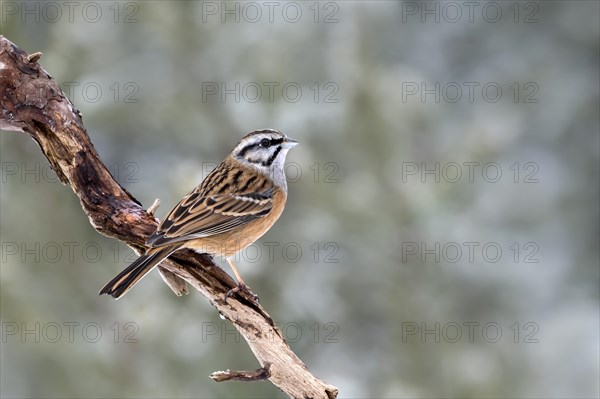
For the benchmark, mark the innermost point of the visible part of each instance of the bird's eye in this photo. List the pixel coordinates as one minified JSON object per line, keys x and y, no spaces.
{"x":265,"y":143}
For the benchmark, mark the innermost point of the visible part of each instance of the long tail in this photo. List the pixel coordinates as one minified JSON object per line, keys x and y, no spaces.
{"x":118,"y":286}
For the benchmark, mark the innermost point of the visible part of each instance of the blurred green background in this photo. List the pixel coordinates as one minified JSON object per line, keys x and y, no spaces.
{"x":441,"y":234}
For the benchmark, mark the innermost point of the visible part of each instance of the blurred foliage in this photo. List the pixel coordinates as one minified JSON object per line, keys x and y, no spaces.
{"x":351,"y":301}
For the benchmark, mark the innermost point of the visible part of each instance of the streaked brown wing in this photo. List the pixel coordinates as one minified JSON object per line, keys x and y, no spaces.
{"x":196,"y":216}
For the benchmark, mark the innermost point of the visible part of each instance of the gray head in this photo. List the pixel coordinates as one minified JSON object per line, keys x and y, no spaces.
{"x":265,"y":150}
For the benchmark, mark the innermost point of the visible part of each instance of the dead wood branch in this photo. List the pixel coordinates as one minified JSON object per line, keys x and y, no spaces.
{"x":33,"y":103}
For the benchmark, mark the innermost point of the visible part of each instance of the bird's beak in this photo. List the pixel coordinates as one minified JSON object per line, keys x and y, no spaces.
{"x":289,"y":143}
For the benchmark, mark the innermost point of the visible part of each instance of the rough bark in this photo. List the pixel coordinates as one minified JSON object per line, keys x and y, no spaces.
{"x":33,"y":103}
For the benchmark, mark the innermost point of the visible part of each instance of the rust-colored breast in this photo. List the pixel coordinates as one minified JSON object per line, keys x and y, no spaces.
{"x":229,"y":243}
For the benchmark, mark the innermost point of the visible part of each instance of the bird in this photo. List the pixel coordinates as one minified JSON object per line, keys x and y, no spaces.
{"x":235,"y":204}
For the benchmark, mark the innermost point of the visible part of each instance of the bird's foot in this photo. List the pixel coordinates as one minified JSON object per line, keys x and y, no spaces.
{"x":241,"y":287}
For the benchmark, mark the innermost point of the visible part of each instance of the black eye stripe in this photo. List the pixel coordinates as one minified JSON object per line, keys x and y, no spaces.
{"x":249,"y":147}
{"x":270,"y":142}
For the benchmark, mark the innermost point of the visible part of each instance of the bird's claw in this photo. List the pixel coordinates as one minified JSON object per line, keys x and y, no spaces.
{"x":241,"y":287}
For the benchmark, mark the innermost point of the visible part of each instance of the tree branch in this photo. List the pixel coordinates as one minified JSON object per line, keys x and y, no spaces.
{"x":255,"y":375}
{"x":33,"y":103}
